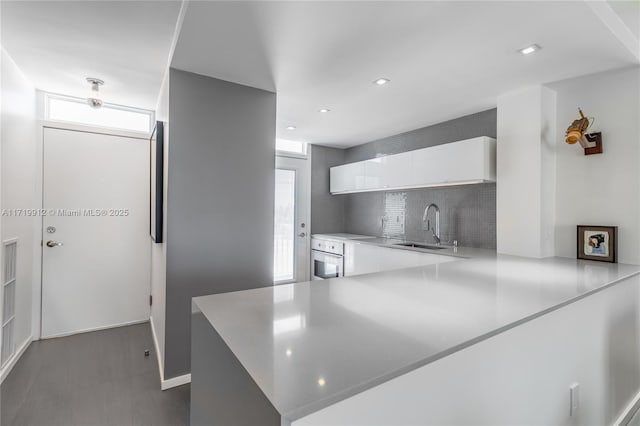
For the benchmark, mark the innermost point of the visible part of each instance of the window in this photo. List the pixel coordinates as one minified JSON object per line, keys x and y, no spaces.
{"x":76,"y":110}
{"x":284,"y":241}
{"x":291,"y":147}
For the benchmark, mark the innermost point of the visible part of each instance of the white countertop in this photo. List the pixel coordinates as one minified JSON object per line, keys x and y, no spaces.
{"x":341,"y":236}
{"x":311,"y":344}
{"x":446,"y":250}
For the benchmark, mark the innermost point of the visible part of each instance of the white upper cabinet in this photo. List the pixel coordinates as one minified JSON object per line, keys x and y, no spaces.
{"x":464,"y":162}
{"x":469,"y":161}
{"x":372,"y":174}
{"x":347,"y":179}
{"x":397,"y":170}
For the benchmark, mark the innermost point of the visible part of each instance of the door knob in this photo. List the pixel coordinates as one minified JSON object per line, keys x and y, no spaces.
{"x":52,"y":243}
{"x":302,"y":234}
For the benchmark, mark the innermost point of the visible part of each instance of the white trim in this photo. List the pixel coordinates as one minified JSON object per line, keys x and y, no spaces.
{"x":630,"y":410}
{"x":307,"y":219}
{"x":14,"y":359}
{"x":175,"y":381}
{"x":36,"y":279}
{"x":74,"y":127}
{"x":157,"y":346}
{"x":176,"y":33}
{"x":288,"y":154}
{"x":89,"y":330}
{"x":10,"y":241}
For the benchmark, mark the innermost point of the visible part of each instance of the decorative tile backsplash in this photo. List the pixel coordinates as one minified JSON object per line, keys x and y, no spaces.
{"x":467,"y":214}
{"x":395,"y":209}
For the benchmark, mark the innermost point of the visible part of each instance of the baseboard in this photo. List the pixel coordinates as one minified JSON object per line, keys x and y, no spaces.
{"x":14,"y":359}
{"x":630,"y":410}
{"x":89,"y":330}
{"x":174,"y":381}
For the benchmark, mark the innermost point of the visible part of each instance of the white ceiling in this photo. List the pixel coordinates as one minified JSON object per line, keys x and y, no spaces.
{"x":629,"y":12}
{"x":59,"y":43}
{"x":445,"y":59}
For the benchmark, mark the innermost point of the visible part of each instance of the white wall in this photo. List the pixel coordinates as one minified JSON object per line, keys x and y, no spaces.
{"x":525,"y":188}
{"x":600,"y":189}
{"x":18,"y":184}
{"x":548,"y":171}
{"x":521,"y":376}
{"x":159,"y":251}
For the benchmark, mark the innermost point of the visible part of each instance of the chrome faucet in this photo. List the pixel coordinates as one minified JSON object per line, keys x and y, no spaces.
{"x":436,"y":231}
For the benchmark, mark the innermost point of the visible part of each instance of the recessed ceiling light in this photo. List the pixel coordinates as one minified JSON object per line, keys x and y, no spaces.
{"x":291,"y":127}
{"x":321,"y":381}
{"x":381,"y":81}
{"x":529,"y":49}
{"x":324,"y":110}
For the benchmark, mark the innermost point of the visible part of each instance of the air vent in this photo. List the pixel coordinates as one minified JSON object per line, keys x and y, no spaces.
{"x":9,"y":299}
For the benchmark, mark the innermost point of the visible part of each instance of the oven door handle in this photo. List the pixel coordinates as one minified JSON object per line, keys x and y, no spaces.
{"x":320,"y":255}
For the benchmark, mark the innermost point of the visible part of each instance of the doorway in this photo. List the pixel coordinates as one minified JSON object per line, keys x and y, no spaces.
{"x":291,"y":220}
{"x":95,"y":231}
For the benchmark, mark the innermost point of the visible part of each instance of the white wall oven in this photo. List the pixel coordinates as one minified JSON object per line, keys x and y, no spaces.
{"x":326,"y":258}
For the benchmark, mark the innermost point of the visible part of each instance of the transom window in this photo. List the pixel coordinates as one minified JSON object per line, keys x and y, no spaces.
{"x":76,"y":110}
{"x":286,"y":146}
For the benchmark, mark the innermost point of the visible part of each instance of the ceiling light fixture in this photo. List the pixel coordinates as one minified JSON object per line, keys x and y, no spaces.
{"x":291,"y":127}
{"x":529,"y":49}
{"x":381,"y":81}
{"x":324,"y":110}
{"x":94,"y":99}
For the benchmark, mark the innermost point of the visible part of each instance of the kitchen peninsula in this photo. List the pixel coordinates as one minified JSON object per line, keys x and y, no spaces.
{"x":359,"y":350}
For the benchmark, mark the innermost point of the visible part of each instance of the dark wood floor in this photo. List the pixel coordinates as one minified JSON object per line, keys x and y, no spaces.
{"x":92,"y":379}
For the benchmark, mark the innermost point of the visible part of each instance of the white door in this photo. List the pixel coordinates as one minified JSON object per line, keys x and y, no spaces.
{"x":95,"y":253}
{"x":291,"y":227}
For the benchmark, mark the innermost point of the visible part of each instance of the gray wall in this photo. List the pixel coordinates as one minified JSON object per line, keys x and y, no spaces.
{"x":468,"y":213}
{"x":220,"y":198}
{"x":327,"y":211}
{"x":470,"y":126}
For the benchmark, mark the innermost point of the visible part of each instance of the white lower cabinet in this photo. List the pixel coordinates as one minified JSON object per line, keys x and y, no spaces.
{"x":367,"y":258}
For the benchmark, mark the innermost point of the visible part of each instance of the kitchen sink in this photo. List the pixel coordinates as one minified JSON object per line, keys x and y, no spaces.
{"x":422,"y":246}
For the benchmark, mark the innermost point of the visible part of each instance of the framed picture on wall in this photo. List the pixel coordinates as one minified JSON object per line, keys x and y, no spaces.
{"x":156,"y":181}
{"x":598,"y":243}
